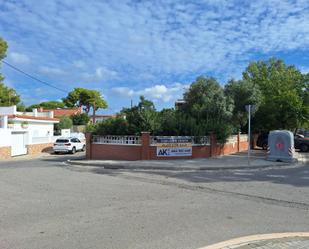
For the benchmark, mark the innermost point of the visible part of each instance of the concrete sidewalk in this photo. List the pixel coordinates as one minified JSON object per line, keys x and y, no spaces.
{"x":235,"y":161}
{"x":266,"y":241}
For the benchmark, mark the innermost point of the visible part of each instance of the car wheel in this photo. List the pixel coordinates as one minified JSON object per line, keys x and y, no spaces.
{"x":84,"y":147}
{"x":264,"y":146}
{"x":56,"y":152}
{"x":304,"y":147}
{"x":73,"y":150}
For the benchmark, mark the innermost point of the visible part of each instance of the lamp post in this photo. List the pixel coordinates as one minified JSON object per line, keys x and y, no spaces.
{"x":250,"y":108}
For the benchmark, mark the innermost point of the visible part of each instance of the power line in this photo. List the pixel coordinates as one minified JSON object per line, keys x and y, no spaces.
{"x":33,"y":77}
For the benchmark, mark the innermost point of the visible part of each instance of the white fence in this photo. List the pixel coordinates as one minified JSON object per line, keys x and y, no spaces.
{"x":124,"y":140}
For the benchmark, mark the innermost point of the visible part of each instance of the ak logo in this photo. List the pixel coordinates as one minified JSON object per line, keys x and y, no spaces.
{"x":163,"y":152}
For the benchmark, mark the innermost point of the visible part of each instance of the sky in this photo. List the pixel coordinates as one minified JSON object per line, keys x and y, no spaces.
{"x":126,"y":49}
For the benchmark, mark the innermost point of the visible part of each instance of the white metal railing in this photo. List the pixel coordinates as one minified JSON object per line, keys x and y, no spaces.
{"x":40,"y":140}
{"x":195,"y":140}
{"x":243,"y":137}
{"x":125,"y":140}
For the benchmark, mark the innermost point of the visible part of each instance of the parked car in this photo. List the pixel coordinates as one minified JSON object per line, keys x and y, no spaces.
{"x":262,"y":141}
{"x":300,"y":142}
{"x":70,"y":144}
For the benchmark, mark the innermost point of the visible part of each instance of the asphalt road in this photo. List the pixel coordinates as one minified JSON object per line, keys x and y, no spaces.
{"x":47,"y":204}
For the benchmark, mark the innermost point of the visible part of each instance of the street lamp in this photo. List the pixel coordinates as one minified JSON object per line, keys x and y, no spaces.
{"x":250,"y":108}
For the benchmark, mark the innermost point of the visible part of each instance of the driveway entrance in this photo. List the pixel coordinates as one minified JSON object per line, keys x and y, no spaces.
{"x":18,"y":144}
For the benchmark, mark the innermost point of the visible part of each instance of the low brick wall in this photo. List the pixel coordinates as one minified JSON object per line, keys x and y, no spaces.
{"x":243,"y":146}
{"x":5,"y":152}
{"x":38,"y":148}
{"x":115,"y":152}
{"x":146,"y":151}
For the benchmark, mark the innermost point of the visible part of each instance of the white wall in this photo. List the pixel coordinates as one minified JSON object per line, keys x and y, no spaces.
{"x":5,"y":137}
{"x":37,"y":132}
{"x":40,"y":132}
{"x":6,"y":110}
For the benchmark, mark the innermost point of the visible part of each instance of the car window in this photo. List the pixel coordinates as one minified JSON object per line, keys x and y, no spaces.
{"x":74,"y":140}
{"x":62,"y":141}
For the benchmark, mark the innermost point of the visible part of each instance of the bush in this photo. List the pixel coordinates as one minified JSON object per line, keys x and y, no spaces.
{"x":113,"y":126}
{"x":65,"y":123}
{"x":80,"y":119}
{"x":91,"y":128}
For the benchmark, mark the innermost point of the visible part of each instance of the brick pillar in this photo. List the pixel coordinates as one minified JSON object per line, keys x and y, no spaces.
{"x":145,"y":145}
{"x":238,"y":141}
{"x":213,"y":145}
{"x":88,"y":145}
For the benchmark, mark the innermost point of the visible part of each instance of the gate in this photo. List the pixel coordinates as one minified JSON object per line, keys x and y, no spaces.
{"x":18,"y":144}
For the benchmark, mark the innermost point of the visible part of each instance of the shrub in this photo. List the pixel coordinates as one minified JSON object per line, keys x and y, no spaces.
{"x":64,"y":123}
{"x":80,"y":119}
{"x":113,"y":126}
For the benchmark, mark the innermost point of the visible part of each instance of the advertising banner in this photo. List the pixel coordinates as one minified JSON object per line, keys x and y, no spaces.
{"x":171,"y":146}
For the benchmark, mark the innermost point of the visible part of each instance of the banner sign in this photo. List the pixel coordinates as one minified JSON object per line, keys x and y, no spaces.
{"x":174,"y":146}
{"x":174,"y":139}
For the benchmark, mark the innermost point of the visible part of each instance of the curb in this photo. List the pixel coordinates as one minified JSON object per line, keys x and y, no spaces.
{"x":242,"y":241}
{"x":121,"y":166}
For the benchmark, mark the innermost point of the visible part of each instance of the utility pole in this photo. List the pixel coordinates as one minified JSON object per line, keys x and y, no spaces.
{"x":131,"y":103}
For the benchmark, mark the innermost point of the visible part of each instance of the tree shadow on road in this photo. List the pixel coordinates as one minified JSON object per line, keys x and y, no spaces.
{"x":295,"y":176}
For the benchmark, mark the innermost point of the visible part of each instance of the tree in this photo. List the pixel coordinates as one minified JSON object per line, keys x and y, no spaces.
{"x":242,"y":93}
{"x":64,"y":123}
{"x":8,"y":96}
{"x":145,"y":104}
{"x":167,"y":123}
{"x":81,"y":97}
{"x":3,"y":48}
{"x":112,"y":126}
{"x":207,"y":109}
{"x":142,"y":117}
{"x":283,"y":88}
{"x":80,"y":119}
{"x":47,"y":105}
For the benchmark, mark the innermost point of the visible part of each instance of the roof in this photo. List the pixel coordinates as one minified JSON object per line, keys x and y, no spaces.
{"x":63,"y":112}
{"x":32,"y":117}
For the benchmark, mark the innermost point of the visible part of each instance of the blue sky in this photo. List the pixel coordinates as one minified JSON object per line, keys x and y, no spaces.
{"x":154,"y":48}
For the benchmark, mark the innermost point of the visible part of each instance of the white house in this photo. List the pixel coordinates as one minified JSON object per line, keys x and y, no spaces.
{"x":25,"y":132}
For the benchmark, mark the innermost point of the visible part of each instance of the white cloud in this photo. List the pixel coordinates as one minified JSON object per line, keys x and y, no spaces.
{"x":52,"y":71}
{"x":79,"y":64}
{"x":19,"y":58}
{"x":101,"y":73}
{"x":138,"y":43}
{"x":304,"y":69}
{"x":157,"y":92}
{"x":166,"y":38}
{"x":123,"y":91}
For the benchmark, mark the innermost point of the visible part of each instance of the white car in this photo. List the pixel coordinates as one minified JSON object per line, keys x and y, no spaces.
{"x":70,"y":144}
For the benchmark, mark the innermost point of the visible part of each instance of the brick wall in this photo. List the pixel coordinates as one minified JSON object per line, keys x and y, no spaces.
{"x":38,"y":148}
{"x":5,"y":152}
{"x":115,"y":152}
{"x":147,"y":152}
